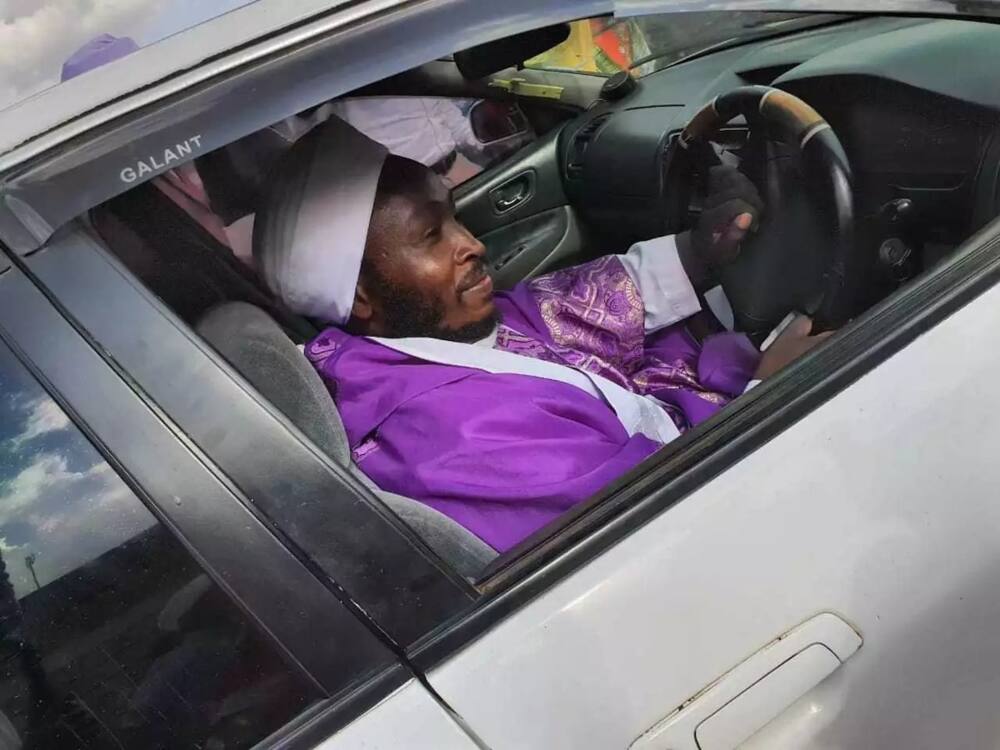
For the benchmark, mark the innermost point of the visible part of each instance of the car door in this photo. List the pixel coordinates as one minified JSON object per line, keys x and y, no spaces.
{"x":144,"y":601}
{"x":829,"y":585}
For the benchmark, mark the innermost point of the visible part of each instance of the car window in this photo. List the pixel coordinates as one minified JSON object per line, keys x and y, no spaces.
{"x":111,"y":635}
{"x":456,"y":137}
{"x":48,"y":35}
{"x":600,"y":46}
{"x":605,"y":46}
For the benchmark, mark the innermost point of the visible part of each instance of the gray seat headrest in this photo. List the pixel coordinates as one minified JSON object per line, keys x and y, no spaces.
{"x":262,"y":352}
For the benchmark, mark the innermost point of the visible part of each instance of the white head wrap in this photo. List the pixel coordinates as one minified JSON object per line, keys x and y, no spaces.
{"x":310,"y":234}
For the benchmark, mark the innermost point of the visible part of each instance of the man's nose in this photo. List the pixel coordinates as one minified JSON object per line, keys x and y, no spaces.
{"x":469,"y":247}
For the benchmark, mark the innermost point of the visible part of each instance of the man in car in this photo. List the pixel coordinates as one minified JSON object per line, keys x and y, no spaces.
{"x":501,"y":410}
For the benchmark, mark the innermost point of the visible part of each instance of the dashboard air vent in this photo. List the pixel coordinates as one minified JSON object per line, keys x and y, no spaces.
{"x":581,"y":142}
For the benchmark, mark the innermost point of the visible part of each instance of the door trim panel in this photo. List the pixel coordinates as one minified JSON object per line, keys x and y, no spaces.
{"x":533,"y":246}
{"x":473,"y":199}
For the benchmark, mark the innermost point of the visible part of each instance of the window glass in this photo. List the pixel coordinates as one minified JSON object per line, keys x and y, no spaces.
{"x":457,"y":138}
{"x":597,"y":45}
{"x":645,"y":44}
{"x":111,"y":636}
{"x":41,"y":40}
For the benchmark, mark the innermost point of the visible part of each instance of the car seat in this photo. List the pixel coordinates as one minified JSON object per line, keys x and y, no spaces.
{"x":177,"y":258}
{"x":269,"y":360}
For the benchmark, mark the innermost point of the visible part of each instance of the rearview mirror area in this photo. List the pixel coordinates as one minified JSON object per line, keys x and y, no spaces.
{"x":494,"y":121}
{"x":485,"y":59}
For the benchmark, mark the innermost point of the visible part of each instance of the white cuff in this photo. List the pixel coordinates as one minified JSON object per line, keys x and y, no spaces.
{"x":752,"y":384}
{"x":667,"y":294}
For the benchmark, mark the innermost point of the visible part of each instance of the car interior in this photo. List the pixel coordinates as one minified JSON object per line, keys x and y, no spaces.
{"x":902,"y":166}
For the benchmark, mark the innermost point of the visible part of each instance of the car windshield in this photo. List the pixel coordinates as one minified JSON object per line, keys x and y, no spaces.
{"x":674,"y":36}
{"x":645,"y":44}
{"x":38,"y":37}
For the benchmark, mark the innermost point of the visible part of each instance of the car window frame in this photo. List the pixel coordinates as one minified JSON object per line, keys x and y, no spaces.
{"x":81,"y":274}
{"x":54,"y":178}
{"x":349,"y":662}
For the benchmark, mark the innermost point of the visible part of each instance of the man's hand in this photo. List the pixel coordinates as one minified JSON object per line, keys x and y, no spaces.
{"x":732,"y":209}
{"x":791,"y":344}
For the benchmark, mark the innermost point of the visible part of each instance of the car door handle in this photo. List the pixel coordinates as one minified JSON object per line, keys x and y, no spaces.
{"x":503,"y":203}
{"x":513,"y":192}
{"x":731,"y":709}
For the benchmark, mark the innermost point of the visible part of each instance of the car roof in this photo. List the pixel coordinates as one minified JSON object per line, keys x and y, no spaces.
{"x":185,"y":50}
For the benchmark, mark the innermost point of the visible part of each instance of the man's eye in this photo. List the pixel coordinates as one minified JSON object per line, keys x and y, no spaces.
{"x":433,"y":232}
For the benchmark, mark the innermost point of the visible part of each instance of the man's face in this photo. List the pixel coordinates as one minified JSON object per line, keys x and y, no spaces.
{"x":423,"y":274}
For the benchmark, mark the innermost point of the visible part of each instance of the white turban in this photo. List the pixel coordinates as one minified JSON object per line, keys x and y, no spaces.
{"x":309,"y":236}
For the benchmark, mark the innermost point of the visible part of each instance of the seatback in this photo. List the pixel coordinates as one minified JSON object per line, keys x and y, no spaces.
{"x":270,"y":361}
{"x":178,"y":260}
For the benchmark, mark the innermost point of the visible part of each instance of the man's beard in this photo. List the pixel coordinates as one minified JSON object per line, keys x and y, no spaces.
{"x":406,"y":312}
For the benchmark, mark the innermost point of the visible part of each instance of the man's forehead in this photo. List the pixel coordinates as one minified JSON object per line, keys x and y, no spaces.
{"x":435,"y":189}
{"x":428,"y":193}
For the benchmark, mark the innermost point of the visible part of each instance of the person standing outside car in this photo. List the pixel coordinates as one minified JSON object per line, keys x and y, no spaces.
{"x":430,"y":130}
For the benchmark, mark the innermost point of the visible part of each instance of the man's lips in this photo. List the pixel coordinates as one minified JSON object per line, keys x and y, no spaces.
{"x":478,"y":281}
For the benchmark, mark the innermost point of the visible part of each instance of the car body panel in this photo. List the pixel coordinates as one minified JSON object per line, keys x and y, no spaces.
{"x":879,"y":507}
{"x":410,"y":718}
{"x":187,"y":50}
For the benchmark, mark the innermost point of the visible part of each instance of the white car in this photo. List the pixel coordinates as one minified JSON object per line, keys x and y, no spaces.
{"x":191,"y":559}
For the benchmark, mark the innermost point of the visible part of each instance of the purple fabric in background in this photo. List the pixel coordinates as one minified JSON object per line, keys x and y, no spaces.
{"x":505,"y":454}
{"x":97,"y":52}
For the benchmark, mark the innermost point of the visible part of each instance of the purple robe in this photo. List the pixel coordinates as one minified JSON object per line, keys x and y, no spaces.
{"x":504,"y":454}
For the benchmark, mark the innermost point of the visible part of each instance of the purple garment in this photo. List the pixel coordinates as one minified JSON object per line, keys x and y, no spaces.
{"x":500,"y":454}
{"x":505,"y":454}
{"x":97,"y":52}
{"x":591,"y":317}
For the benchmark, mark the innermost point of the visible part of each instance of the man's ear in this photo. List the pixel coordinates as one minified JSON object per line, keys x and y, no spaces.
{"x":363,"y":310}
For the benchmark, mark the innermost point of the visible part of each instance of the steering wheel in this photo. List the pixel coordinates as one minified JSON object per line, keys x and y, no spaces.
{"x":799,"y":258}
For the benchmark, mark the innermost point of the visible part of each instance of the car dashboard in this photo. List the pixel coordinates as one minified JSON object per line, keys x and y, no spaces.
{"x":915,"y":103}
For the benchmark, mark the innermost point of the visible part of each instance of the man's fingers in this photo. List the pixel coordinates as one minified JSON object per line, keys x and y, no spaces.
{"x":734,"y":232}
{"x":731,"y":185}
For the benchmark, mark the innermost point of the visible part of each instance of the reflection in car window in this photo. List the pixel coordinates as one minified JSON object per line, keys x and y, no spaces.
{"x":37,"y":37}
{"x":110,"y":633}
